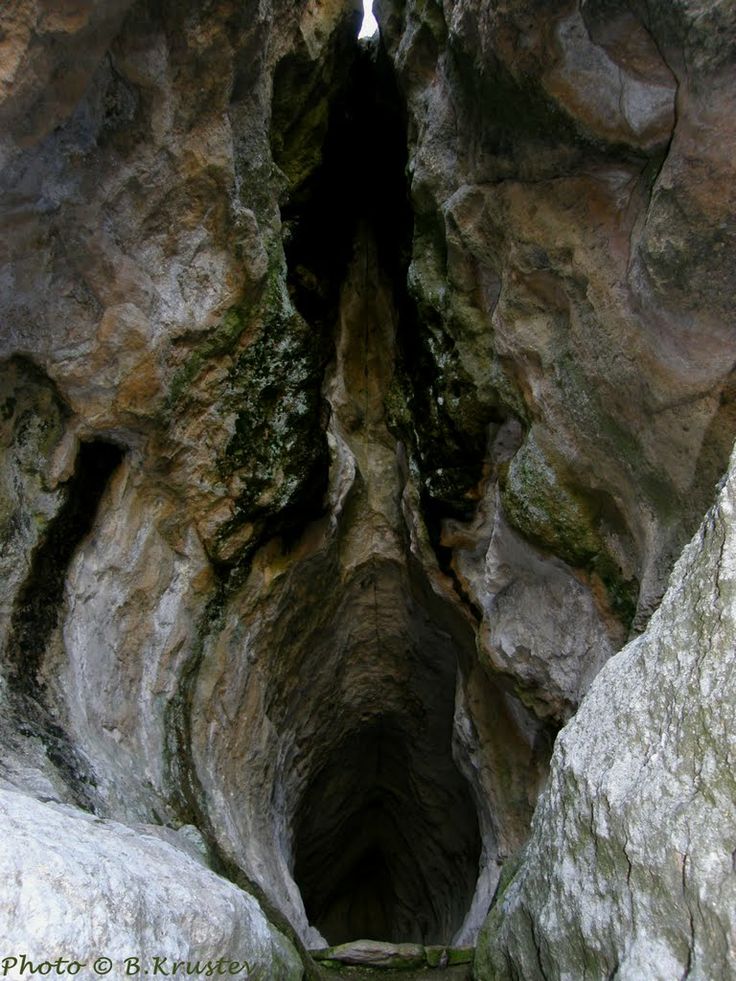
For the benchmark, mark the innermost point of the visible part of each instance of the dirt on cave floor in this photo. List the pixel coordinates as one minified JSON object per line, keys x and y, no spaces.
{"x":459,"y":972}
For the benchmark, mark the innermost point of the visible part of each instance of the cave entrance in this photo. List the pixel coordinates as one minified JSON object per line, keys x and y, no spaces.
{"x":387,"y":843}
{"x":383,"y":839}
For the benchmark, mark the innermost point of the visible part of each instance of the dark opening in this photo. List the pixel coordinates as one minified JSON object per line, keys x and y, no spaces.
{"x":387,"y":841}
{"x":36,"y":614}
{"x":36,"y":610}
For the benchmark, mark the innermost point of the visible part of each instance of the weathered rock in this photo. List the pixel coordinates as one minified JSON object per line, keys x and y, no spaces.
{"x":629,"y":869}
{"x":85,"y":889}
{"x":394,"y":957}
{"x":32,"y":421}
{"x":365,"y":775}
{"x":563,"y":209}
{"x":355,"y":401}
{"x":373,"y":953}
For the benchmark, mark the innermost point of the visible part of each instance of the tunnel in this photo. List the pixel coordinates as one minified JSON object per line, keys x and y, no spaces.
{"x":385,"y":836}
{"x":387,"y":840}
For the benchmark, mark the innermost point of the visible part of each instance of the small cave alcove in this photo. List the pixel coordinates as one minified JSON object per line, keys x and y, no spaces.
{"x":36,"y":610}
{"x":387,"y":843}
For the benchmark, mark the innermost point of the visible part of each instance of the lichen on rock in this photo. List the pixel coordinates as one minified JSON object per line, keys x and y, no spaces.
{"x":356,"y":400}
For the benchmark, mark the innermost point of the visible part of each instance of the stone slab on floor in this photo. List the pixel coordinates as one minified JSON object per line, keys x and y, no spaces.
{"x":374,"y":958}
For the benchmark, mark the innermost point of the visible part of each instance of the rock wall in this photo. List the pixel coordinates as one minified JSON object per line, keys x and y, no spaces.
{"x":355,"y":402}
{"x":629,"y":870}
{"x":96,"y":892}
{"x":571,"y":183}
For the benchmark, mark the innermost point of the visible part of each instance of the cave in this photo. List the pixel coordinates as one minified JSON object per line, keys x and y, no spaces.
{"x":385,"y":851}
{"x":385,"y":835}
{"x":359,"y":390}
{"x":386,"y":838}
{"x":387,"y":829}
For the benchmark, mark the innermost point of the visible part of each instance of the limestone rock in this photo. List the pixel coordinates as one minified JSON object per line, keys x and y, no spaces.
{"x":560,"y":198}
{"x":355,"y":402}
{"x":373,"y":953}
{"x":394,"y":957}
{"x":32,"y":421}
{"x":630,"y":865}
{"x":86,"y":889}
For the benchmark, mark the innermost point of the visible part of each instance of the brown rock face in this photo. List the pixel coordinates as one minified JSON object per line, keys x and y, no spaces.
{"x":355,"y":402}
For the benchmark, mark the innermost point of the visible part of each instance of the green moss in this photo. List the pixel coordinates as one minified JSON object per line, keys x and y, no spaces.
{"x":272,"y":392}
{"x":488,"y":962}
{"x":274,"y":388}
{"x":543,"y":509}
{"x":460,"y":955}
{"x":434,"y":955}
{"x":565,"y":522}
{"x":436,"y":409}
{"x":298,"y":151}
{"x":216,"y":343}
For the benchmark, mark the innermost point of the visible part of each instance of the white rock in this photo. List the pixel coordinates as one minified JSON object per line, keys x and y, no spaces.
{"x":80,"y":888}
{"x":630,"y":870}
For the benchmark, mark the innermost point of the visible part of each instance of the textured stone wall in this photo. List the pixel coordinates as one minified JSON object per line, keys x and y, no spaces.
{"x":356,"y":400}
{"x":629,"y":870}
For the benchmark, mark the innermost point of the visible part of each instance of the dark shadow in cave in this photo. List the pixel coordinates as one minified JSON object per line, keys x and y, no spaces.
{"x":36,"y":614}
{"x":360,"y":177}
{"x":387,"y":841}
{"x":36,"y":610}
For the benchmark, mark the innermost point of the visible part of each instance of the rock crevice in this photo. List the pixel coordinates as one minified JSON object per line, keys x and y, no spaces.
{"x":356,"y":399}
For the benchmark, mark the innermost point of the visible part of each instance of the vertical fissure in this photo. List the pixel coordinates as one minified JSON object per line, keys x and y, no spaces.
{"x":37,"y":609}
{"x":386,"y":840}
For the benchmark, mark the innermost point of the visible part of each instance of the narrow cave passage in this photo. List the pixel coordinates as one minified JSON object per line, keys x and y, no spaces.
{"x":385,"y":835}
{"x":376,"y":778}
{"x":369,"y":25}
{"x":360,"y":177}
{"x":387,"y":843}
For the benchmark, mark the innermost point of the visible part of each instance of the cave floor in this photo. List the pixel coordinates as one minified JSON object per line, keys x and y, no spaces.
{"x":460,"y":972}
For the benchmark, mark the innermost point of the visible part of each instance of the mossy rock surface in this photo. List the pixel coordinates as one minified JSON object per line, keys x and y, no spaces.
{"x":383,"y":959}
{"x":459,"y":972}
{"x":374,"y":953}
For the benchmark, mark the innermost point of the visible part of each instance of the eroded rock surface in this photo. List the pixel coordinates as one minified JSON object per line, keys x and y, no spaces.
{"x":86,"y":889}
{"x":630,"y":866}
{"x":568,"y":271}
{"x":355,"y":402}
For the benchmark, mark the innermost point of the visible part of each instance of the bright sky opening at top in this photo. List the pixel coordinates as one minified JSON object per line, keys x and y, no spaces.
{"x":370,"y":25}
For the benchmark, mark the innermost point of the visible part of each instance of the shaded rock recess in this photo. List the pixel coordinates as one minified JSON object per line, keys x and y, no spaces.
{"x":356,"y":400}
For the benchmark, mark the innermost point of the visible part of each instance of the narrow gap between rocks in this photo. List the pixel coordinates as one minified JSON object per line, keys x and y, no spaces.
{"x":386,"y":842}
{"x":36,"y":615}
{"x":369,"y":26}
{"x":36,"y":610}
